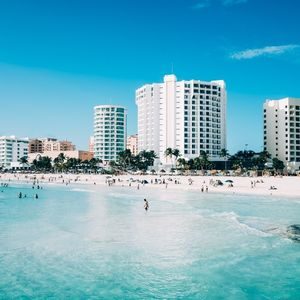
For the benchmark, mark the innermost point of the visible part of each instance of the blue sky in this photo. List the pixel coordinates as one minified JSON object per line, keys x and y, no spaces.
{"x":60,"y":58}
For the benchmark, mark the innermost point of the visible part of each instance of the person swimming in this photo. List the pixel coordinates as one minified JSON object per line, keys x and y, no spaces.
{"x":146,"y":204}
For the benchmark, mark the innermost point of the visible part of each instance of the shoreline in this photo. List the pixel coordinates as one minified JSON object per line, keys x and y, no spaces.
{"x":255,"y":186}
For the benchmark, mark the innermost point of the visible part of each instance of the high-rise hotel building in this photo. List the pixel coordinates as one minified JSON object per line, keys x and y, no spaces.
{"x":282,"y":130}
{"x":110,"y":124}
{"x":12,"y":149}
{"x":186,"y":115}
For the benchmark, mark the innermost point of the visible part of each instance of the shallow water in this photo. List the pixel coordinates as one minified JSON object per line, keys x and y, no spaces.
{"x":99,"y":243}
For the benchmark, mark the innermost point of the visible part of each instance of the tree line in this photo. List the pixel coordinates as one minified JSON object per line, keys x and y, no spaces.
{"x":245,"y":160}
{"x":62,"y":164}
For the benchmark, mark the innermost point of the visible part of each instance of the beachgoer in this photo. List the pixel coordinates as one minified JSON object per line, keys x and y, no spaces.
{"x":146,"y":204}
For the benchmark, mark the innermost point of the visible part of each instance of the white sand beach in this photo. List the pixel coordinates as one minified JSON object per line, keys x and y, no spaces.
{"x":281,"y":186}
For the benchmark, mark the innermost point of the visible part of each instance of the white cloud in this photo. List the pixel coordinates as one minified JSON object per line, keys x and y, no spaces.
{"x":233,"y":2}
{"x":269,"y":50}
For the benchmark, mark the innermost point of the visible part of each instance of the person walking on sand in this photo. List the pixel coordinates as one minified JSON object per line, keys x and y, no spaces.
{"x":146,"y":204}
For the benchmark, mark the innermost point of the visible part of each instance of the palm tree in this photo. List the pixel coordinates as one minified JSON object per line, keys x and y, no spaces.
{"x":59,"y":162}
{"x":145,"y":159}
{"x":278,"y":165}
{"x":263,"y":157}
{"x":42,"y":163}
{"x":94,"y":163}
{"x":204,"y":162}
{"x":23,"y":160}
{"x":176,"y":154}
{"x":181,"y":163}
{"x":169,"y":153}
{"x":191,"y":164}
{"x":124,"y":158}
{"x":224,"y":154}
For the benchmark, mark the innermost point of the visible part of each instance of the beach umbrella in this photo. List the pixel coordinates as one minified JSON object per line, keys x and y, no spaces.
{"x":229,"y":181}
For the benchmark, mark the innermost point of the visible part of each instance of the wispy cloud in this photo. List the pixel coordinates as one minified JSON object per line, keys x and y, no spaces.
{"x":202,"y":4}
{"x":206,"y":3}
{"x":269,"y":50}
{"x":233,"y":2}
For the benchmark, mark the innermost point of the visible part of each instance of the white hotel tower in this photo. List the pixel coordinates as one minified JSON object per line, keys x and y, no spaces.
{"x":11,"y":150}
{"x":109,"y":131}
{"x":282,"y":130}
{"x":186,"y":115}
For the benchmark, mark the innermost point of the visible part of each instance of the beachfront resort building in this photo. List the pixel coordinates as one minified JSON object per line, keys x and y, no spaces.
{"x":12,"y":149}
{"x":49,"y":144}
{"x":110,"y":125}
{"x":35,"y":146}
{"x":132,"y":144}
{"x":189,"y":115}
{"x":282,"y":130}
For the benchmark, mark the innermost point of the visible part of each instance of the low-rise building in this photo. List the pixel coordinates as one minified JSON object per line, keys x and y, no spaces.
{"x":49,"y":144}
{"x":132,"y":144}
{"x":55,"y":145}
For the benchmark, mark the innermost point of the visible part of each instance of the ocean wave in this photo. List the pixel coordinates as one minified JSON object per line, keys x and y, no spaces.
{"x":121,"y":195}
{"x":236,"y":220}
{"x":80,"y":190}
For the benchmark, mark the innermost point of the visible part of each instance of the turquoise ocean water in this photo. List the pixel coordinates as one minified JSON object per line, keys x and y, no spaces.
{"x":99,"y":243}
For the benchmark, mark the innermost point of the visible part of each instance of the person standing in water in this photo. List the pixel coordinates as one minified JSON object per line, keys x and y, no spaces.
{"x":146,"y":204}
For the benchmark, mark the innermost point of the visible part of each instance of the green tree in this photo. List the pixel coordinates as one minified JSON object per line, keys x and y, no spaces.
{"x":191,"y":164}
{"x":181,"y":162}
{"x":263,"y":158}
{"x":94,"y":164}
{"x":169,"y":153}
{"x":224,"y":154}
{"x":23,"y":160}
{"x":145,"y":159}
{"x":59,"y":162}
{"x":42,"y":163}
{"x":203,"y":161}
{"x":278,"y":165}
{"x":176,"y":154}
{"x":125,"y":159}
